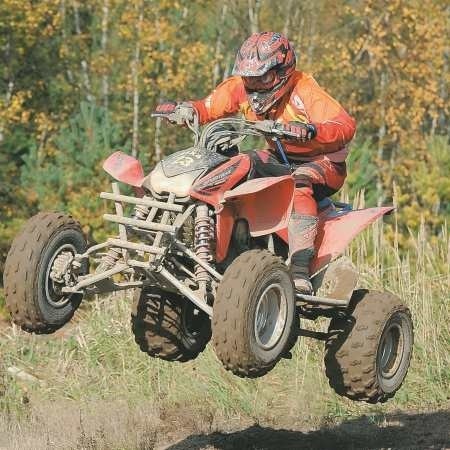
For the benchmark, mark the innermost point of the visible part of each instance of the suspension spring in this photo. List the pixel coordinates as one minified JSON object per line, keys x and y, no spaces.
{"x":140,"y":212}
{"x":109,"y":259}
{"x":202,"y":243}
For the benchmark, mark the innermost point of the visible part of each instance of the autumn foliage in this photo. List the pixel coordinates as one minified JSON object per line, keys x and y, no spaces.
{"x":80,"y":79}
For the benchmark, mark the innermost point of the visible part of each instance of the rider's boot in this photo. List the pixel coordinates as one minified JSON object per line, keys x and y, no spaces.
{"x":302,"y":232}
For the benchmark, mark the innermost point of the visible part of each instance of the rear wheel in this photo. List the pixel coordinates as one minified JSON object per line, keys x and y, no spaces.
{"x":254,"y":314}
{"x":168,"y":326}
{"x":33,"y":297}
{"x":368,"y":352}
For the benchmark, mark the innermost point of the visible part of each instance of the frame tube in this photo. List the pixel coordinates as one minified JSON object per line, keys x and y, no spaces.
{"x":313,"y":300}
{"x":133,"y":246}
{"x":152,"y":226}
{"x":187,"y":292}
{"x":97,"y":277}
{"x":141,"y":201}
{"x":193,"y":256}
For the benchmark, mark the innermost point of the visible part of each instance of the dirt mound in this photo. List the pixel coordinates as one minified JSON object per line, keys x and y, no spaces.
{"x":403,"y":431}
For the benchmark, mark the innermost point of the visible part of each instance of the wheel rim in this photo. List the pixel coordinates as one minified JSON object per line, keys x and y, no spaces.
{"x":391,"y":350}
{"x":270,"y":316}
{"x":52,"y":289}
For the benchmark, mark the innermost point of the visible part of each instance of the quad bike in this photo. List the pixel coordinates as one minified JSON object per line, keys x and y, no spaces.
{"x":204,"y":244}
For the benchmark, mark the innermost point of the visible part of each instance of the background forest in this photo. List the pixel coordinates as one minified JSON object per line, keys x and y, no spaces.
{"x":79,"y":79}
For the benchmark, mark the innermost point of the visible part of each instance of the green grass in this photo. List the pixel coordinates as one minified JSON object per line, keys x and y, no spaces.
{"x":94,"y":360}
{"x":3,"y":312}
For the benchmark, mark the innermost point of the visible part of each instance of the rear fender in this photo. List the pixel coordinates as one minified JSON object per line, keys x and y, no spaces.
{"x":125,"y":168}
{"x":337,"y":229}
{"x":265,"y":203}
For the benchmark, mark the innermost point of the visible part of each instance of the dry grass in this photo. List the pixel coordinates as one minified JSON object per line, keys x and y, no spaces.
{"x":95,"y":390}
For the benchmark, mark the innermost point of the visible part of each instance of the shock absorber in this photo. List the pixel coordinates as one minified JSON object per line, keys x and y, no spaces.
{"x":109,"y":259}
{"x":202,"y":243}
{"x":140,"y":212}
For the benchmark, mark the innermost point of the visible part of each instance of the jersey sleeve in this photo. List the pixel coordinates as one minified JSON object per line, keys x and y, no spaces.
{"x":224,"y":101}
{"x":335,"y":127}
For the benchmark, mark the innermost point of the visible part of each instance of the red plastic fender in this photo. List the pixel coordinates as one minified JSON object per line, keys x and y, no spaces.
{"x":336,"y":232}
{"x":265,"y":203}
{"x":211,"y":188}
{"x":337,"y":229}
{"x":124,"y":168}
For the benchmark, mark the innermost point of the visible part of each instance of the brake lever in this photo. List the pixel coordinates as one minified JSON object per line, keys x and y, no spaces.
{"x":265,"y":126}
{"x":275,"y":129}
{"x":174,"y":117}
{"x":171,"y":117}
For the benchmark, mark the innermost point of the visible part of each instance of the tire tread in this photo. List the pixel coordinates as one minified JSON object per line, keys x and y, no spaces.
{"x":20,"y":275}
{"x":350,"y":364}
{"x":230,"y":343}
{"x":157,"y":331}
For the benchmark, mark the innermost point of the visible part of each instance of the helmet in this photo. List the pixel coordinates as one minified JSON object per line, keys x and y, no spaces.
{"x":265,"y":62}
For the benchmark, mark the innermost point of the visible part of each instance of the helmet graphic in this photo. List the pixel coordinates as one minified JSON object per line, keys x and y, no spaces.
{"x":265,"y":62}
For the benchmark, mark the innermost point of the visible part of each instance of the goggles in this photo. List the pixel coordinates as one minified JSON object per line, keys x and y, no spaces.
{"x":261,"y":83}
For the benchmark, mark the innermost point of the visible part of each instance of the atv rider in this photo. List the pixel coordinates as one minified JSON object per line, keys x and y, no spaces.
{"x":266,"y":86}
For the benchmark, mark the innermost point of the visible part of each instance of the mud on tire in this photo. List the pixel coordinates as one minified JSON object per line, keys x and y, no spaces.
{"x":245,"y":345}
{"x":165,"y":326}
{"x":368,"y":352}
{"x":31,"y":298}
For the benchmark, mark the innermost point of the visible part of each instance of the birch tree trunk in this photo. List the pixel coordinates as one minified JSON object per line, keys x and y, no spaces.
{"x":135,"y":76}
{"x":7,"y":101}
{"x":104,"y":43}
{"x":287,"y":20}
{"x":381,"y":135}
{"x":442,"y":120}
{"x":253,"y":15}
{"x":62,"y":12}
{"x":9,"y":91}
{"x":312,"y":38}
{"x":219,"y":44}
{"x":84,"y":64}
{"x":227,"y":67}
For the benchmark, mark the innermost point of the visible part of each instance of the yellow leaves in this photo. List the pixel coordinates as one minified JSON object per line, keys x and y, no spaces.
{"x":30,"y":19}
{"x":381,"y":59}
{"x":14,"y":111}
{"x":44,"y":124}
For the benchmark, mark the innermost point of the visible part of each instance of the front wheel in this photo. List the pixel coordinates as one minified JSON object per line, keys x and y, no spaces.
{"x":33,"y":297}
{"x":254,"y":314}
{"x":368,"y":352}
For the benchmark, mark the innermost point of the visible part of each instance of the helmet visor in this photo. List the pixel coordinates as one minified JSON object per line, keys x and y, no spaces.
{"x":261,"y":83}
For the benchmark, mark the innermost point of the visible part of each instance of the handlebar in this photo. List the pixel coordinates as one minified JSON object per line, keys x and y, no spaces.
{"x":229,"y":131}
{"x":182,"y":119}
{"x":273,"y":128}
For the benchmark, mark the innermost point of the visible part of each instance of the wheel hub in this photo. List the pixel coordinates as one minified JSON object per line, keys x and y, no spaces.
{"x":391,"y":350}
{"x":60,"y":274}
{"x":60,"y":271}
{"x":270,"y":316}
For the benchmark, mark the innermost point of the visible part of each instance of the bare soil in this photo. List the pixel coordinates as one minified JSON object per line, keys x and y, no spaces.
{"x":401,"y":431}
{"x":100,"y":425}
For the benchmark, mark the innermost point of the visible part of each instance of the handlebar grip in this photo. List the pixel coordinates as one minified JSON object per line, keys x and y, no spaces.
{"x":171,"y":117}
{"x":289,"y":135}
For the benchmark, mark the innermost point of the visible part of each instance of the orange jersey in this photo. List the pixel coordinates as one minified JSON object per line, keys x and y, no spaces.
{"x":307,"y":102}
